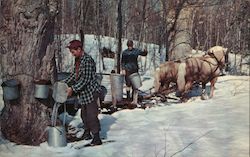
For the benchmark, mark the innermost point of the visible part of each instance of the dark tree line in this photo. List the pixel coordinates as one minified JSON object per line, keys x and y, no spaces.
{"x":211,"y":23}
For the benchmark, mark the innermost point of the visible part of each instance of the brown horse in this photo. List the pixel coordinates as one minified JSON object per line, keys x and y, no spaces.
{"x":165,"y":74}
{"x":201,"y":70}
{"x":194,"y":69}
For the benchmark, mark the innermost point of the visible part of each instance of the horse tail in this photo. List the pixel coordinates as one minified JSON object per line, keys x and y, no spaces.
{"x":181,"y":77}
{"x":157,"y":79}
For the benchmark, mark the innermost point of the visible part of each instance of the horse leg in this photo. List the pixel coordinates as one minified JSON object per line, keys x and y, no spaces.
{"x":203,"y":92}
{"x":212,"y":82}
{"x":183,"y":84}
{"x":184,"y":90}
{"x":163,"y":87}
{"x":161,"y":93}
{"x":188,"y":86}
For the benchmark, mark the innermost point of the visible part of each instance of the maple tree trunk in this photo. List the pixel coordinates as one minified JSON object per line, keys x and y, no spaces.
{"x":26,"y":52}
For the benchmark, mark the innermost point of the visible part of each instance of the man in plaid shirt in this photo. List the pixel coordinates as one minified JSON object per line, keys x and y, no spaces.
{"x":83,"y":81}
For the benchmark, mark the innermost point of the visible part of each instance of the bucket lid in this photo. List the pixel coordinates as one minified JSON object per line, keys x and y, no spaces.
{"x":10,"y":83}
{"x":60,"y":92}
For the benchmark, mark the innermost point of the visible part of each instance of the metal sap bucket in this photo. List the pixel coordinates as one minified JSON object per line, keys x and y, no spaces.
{"x":117,"y":81}
{"x":57,"y":136}
{"x":11,"y":89}
{"x":42,"y":89}
{"x":62,"y":75}
{"x":135,"y":80}
{"x":104,"y":80}
{"x":60,"y":92}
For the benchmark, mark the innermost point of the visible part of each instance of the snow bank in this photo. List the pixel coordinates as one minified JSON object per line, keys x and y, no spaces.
{"x":92,"y":46}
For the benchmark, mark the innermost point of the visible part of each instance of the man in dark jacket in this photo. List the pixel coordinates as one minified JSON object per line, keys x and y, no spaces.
{"x":83,"y":82}
{"x":129,"y":66}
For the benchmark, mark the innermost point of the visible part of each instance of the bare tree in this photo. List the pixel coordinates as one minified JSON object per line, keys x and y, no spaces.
{"x":83,"y":7}
{"x":26,"y":39}
{"x":119,"y":35}
{"x":222,"y":23}
{"x":171,"y":13}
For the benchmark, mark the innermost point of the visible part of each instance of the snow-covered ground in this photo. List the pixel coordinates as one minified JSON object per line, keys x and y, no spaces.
{"x":218,"y":127}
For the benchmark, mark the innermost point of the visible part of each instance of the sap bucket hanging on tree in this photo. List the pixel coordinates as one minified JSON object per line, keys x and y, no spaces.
{"x":135,"y":80}
{"x":11,"y":89}
{"x":42,"y":89}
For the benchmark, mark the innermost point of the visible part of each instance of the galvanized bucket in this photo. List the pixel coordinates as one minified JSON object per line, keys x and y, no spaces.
{"x":11,"y":89}
{"x":60,"y":92}
{"x":104,"y":80}
{"x":117,"y":81}
{"x":57,"y":136}
{"x":112,"y":86}
{"x":135,"y":80}
{"x":42,"y":89}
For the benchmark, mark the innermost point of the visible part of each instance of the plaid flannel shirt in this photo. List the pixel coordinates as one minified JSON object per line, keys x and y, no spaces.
{"x":86,"y":84}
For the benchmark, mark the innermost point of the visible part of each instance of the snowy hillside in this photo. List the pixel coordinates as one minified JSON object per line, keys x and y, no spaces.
{"x":91,"y":46}
{"x":218,"y":127}
{"x":237,"y":63}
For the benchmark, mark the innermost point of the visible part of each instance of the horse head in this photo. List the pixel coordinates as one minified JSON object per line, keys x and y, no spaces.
{"x":220,"y":54}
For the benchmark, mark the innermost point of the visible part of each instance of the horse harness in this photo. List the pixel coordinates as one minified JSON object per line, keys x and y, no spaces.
{"x":219,"y":65}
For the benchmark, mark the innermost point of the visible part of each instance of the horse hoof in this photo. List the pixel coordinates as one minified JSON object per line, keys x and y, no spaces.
{"x":204,"y":97}
{"x":183,"y":100}
{"x":163,"y":99}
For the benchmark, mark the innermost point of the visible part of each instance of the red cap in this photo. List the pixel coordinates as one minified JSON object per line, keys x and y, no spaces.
{"x":74,"y":44}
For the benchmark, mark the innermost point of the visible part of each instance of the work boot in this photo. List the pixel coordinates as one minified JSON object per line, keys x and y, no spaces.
{"x":86,"y":135}
{"x":96,"y":140}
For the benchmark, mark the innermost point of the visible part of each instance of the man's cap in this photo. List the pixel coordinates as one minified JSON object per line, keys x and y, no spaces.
{"x":74,"y":44}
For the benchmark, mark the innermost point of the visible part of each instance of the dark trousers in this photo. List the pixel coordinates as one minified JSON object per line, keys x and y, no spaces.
{"x":89,"y":115}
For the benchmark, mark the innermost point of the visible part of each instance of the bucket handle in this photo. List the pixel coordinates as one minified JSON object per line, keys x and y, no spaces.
{"x":59,"y":131}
